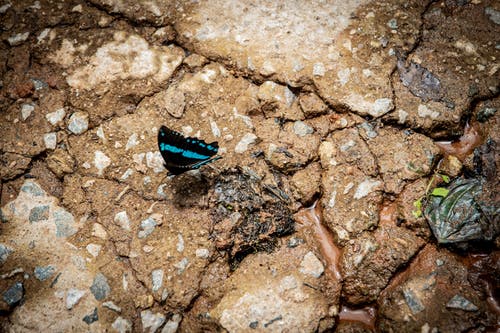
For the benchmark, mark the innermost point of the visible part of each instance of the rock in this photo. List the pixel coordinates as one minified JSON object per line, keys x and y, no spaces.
{"x":18,"y":39}
{"x":26,"y":110}
{"x":427,"y":293}
{"x":43,"y":273}
{"x":90,"y":318}
{"x":172,"y":325}
{"x":73,"y":297}
{"x":302,"y":129}
{"x":101,"y":161}
{"x":100,"y":287}
{"x":242,"y":146}
{"x":312,"y":105}
{"x":157,"y":279}
{"x":151,"y":322}
{"x":39,"y":213}
{"x":5,"y":251}
{"x":78,"y":122}
{"x":60,"y":162}
{"x":14,"y":294}
{"x":122,"y":325}
{"x":50,"y":140}
{"x":56,"y":117}
{"x":311,"y":265}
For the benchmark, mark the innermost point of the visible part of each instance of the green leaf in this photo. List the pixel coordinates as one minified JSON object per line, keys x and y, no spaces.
{"x":417,"y":213}
{"x":445,"y":178}
{"x":418,"y":204}
{"x":440,"y":192}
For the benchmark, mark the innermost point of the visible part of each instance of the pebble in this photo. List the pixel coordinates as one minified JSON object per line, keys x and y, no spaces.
{"x":151,"y":320}
{"x":181,"y":265}
{"x":78,"y":122}
{"x":247,"y":139}
{"x":4,"y":253}
{"x":302,"y":129}
{"x":127,"y":174}
{"x":122,"y":325}
{"x":180,"y":243}
{"x":90,"y":318}
{"x":172,"y":325}
{"x":14,"y":294}
{"x":50,"y":140}
{"x":56,"y":116}
{"x":155,"y":161}
{"x":94,"y":249}
{"x":99,"y":231}
{"x":412,"y":301}
{"x":148,"y":225}
{"x":319,"y":69}
{"x":18,"y":39}
{"x":311,"y":265}
{"x":101,"y":161}
{"x":366,"y":187}
{"x":461,"y":303}
{"x":42,"y":273}
{"x":100,"y":287}
{"x":73,"y":297}
{"x":122,"y":220}
{"x":132,"y":141}
{"x":381,"y":107}
{"x":32,"y":188}
{"x":26,"y":110}
{"x":157,"y":278}
{"x":202,"y":253}
{"x":39,"y":213}
{"x":65,"y":223}
{"x":112,"y":306}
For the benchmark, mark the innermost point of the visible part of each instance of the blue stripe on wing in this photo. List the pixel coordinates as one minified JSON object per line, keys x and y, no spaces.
{"x":185,"y":153}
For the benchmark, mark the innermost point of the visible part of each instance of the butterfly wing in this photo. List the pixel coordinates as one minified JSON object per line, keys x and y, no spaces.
{"x":182,"y":153}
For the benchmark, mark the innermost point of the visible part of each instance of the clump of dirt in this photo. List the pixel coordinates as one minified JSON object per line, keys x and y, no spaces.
{"x":247,"y":215}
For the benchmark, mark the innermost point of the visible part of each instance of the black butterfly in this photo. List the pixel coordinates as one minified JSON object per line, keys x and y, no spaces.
{"x":182,"y":153}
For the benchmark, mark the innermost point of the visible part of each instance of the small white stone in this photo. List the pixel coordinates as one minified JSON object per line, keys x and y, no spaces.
{"x":246,"y":140}
{"x":319,"y":69}
{"x":78,"y":122}
{"x":73,"y":297}
{"x":424,"y":111}
{"x":155,"y":161}
{"x":100,"y":133}
{"x":122,"y":220}
{"x":94,"y":249}
{"x":18,"y":39}
{"x":56,"y":116}
{"x":112,"y":306}
{"x":122,"y":325}
{"x":4,"y":8}
{"x":215,"y":128}
{"x":26,"y":110}
{"x":77,"y":9}
{"x":157,"y":279}
{"x":151,"y":321}
{"x":50,"y":140}
{"x":127,"y":174}
{"x":366,"y":187}
{"x":132,"y":141}
{"x":202,"y":253}
{"x":43,"y":34}
{"x":101,"y":161}
{"x":172,"y":325}
{"x":99,"y":231}
{"x":180,"y":243}
{"x":311,"y":265}
{"x":302,"y":129}
{"x":381,"y":107}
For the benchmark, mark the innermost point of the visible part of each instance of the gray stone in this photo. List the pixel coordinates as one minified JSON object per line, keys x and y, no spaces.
{"x":32,"y":188}
{"x":302,"y":129}
{"x":100,"y":287}
{"x":39,"y":213}
{"x":461,"y":303}
{"x":78,"y":122}
{"x":14,"y":294}
{"x":148,"y":225}
{"x":26,"y":110}
{"x":157,"y":278}
{"x":42,"y":273}
{"x":311,"y":265}
{"x":90,"y":318}
{"x":73,"y":297}
{"x":151,"y":321}
{"x":112,"y":306}
{"x":172,"y":325}
{"x":50,"y":140}
{"x":65,"y":223}
{"x":4,"y":253}
{"x":122,"y":325}
{"x":412,"y":301}
{"x":56,"y":116}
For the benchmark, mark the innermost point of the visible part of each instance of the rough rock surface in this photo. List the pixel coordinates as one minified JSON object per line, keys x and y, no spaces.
{"x":336,"y":123}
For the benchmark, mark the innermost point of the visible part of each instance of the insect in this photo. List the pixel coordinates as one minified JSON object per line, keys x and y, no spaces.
{"x":182,"y":153}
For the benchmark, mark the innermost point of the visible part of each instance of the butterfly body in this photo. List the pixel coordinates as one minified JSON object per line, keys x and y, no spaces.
{"x":182,"y":153}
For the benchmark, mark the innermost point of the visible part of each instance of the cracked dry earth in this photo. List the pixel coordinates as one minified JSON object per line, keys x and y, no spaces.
{"x":334,"y":119}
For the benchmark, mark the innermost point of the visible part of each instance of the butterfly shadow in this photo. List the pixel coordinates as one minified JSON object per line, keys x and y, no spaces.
{"x":190,"y":189}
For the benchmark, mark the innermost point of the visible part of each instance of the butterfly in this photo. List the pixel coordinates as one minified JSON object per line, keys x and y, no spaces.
{"x":182,"y":153}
